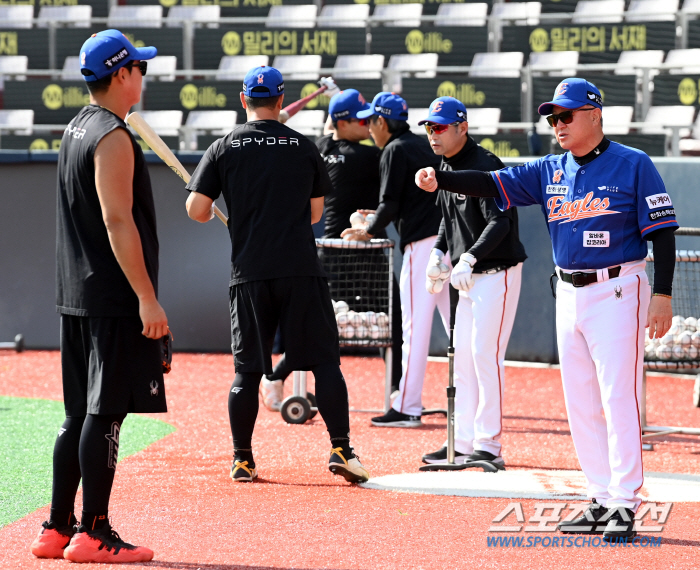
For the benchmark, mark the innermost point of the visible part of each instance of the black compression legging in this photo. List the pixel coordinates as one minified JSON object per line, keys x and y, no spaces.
{"x":87,"y":447}
{"x":331,"y":397}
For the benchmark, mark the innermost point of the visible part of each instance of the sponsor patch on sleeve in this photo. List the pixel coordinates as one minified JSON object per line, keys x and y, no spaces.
{"x":659,"y":201}
{"x":596,"y":239}
{"x":557,"y":189}
{"x":667,"y":213}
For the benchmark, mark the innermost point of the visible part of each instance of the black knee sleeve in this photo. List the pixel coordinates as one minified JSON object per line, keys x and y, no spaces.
{"x":99,"y":451}
{"x":332,"y":399}
{"x":243,"y":408}
{"x":281,"y":370}
{"x":66,"y":472}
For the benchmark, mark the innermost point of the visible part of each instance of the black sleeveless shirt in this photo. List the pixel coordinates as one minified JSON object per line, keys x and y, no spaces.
{"x":89,"y":280}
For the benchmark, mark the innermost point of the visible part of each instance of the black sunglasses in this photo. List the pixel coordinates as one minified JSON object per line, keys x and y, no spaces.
{"x":142,"y":65}
{"x":566,"y":117}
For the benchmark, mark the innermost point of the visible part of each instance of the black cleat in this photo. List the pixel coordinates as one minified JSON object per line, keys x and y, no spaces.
{"x":587,"y":523}
{"x":440,"y":456}
{"x":396,"y":419}
{"x":480,"y":455}
{"x":620,"y":524}
{"x":347,"y":464}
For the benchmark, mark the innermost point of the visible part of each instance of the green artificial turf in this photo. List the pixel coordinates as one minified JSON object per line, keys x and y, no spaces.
{"x":28,"y":430}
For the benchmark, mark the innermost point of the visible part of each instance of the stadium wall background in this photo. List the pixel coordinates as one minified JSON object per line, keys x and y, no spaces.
{"x":194,"y":267}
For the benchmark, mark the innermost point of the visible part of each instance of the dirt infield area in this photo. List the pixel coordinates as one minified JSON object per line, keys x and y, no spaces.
{"x":176,"y":497}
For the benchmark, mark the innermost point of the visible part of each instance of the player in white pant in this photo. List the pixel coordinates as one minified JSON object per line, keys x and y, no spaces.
{"x":602,"y":201}
{"x":417,"y":219}
{"x":417,"y":310}
{"x":487,"y":253}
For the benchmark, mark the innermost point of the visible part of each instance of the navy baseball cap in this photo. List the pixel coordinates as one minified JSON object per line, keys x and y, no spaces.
{"x":346,"y":104}
{"x":445,"y":111}
{"x":573,"y":93}
{"x":263,"y":81}
{"x":387,"y":105}
{"x":105,"y":52}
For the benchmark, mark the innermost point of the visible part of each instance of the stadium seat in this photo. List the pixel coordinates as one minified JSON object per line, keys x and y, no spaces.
{"x":400,"y":15}
{"x":692,"y":145}
{"x":358,"y":67}
{"x":415,"y":115}
{"x":298,"y":67}
{"x":543,"y":128}
{"x":207,"y":16}
{"x":16,"y":16}
{"x":302,"y":16}
{"x":403,"y":65}
{"x":17,"y":121}
{"x":688,"y":59}
{"x":561,"y":62}
{"x":343,"y":16}
{"x":652,"y":11}
{"x":308,"y":123}
{"x":11,"y":66}
{"x":629,"y":60}
{"x":71,"y":69}
{"x":518,"y":13}
{"x":135,"y":17}
{"x":616,"y":120}
{"x":502,"y":64}
{"x":658,"y":118}
{"x":468,"y":14}
{"x":162,"y":67}
{"x":691,"y":7}
{"x":217,"y":122}
{"x":598,"y":12}
{"x":235,"y":67}
{"x":484,"y":120}
{"x":164,"y":123}
{"x":71,"y":16}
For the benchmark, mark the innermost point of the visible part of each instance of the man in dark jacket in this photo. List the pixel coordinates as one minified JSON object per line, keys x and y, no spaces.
{"x":487,"y":257}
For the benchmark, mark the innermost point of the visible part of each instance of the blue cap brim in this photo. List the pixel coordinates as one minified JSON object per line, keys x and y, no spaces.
{"x":546,"y":108}
{"x":145,"y":53}
{"x":366,"y":113}
{"x":439,"y":119}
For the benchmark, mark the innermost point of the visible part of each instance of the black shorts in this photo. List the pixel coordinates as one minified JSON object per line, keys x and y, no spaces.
{"x":109,"y":367}
{"x":302,"y":308}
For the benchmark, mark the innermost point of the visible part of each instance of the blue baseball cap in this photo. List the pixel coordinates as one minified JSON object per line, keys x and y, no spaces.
{"x":346,"y":105}
{"x":105,"y":52}
{"x":445,"y":111}
{"x":264,"y":81}
{"x":573,"y":93}
{"x":387,"y":105}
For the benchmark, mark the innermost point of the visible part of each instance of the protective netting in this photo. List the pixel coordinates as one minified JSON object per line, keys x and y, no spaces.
{"x":360,"y":280}
{"x":680,"y":347}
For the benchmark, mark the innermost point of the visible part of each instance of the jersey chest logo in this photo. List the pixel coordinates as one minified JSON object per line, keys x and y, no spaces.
{"x":564,"y":212}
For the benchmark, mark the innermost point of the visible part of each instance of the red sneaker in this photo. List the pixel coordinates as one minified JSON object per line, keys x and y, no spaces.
{"x":104,"y":545}
{"x":51,"y":542}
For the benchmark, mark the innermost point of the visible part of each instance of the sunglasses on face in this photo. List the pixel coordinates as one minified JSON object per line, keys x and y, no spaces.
{"x":361,"y":122}
{"x":142,"y":65}
{"x":437,"y":129}
{"x":566,"y":117}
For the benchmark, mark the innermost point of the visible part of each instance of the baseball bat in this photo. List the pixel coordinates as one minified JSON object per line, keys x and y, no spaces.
{"x":290,"y":110}
{"x":149,"y":136}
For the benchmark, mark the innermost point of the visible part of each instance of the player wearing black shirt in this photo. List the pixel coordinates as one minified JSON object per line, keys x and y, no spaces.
{"x":417,"y":221}
{"x":106,"y":287}
{"x":273,"y":181}
{"x":353,"y":168}
{"x":487,"y":256}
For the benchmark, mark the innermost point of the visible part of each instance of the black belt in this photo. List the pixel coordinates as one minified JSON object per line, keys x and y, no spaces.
{"x":581,"y":279}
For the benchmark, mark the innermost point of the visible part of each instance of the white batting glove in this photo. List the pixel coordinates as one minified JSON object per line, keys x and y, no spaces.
{"x":331,"y":87}
{"x":462,"y":278}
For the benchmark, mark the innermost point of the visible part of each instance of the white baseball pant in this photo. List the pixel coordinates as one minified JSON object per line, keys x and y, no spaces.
{"x":417,"y":310}
{"x":483,"y":324}
{"x":600,"y":331}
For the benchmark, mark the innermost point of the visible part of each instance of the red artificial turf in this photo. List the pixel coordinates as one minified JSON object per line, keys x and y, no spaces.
{"x":176,"y":498}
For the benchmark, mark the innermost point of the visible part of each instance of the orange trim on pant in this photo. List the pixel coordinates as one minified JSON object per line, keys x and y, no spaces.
{"x":498,"y":350}
{"x":636,"y":400}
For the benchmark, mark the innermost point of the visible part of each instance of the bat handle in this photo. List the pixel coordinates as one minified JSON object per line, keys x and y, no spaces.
{"x":220,"y":215}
